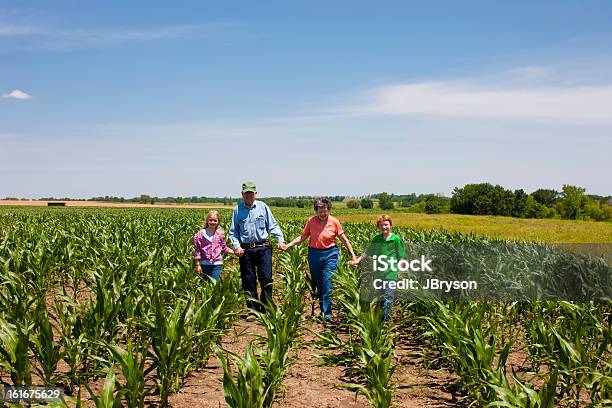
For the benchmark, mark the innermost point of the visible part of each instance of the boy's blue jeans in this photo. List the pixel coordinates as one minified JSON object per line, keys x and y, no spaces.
{"x":386,"y":298}
{"x":213,"y":271}
{"x":323,"y":264}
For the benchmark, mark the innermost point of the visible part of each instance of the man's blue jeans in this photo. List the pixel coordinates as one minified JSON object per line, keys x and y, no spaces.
{"x":323,"y":264}
{"x":256,"y":265}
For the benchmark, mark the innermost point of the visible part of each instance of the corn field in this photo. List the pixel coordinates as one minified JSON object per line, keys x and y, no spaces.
{"x":105,"y":304}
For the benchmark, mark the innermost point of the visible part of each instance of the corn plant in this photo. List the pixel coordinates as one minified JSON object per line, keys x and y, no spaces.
{"x":170,"y":344}
{"x":47,"y":352}
{"x":217,"y":311}
{"x":281,"y":334}
{"x":247,"y":390}
{"x":267,"y":369}
{"x":370,"y":341}
{"x":577,"y":340}
{"x":100,"y":318}
{"x":521,"y":395}
{"x":469,"y":344}
{"x":72,"y":339}
{"x":109,"y":397}
{"x":132,"y":363}
{"x":14,"y":348}
{"x":282,"y":324}
{"x":373,"y":350}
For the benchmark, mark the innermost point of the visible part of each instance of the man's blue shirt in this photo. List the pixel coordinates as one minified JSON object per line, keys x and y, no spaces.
{"x":253,"y":224}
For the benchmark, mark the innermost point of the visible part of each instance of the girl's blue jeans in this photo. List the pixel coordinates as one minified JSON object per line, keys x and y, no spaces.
{"x":213,"y":271}
{"x":323,"y":264}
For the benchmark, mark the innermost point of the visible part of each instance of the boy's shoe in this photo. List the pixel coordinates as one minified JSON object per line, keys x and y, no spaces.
{"x":328,"y":321}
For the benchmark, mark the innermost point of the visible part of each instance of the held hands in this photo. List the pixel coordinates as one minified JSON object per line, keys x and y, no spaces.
{"x":355,"y":261}
{"x":282,"y":246}
{"x":239,"y":251}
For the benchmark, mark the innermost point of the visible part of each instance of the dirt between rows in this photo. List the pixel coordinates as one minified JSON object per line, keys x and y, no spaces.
{"x":308,"y":384}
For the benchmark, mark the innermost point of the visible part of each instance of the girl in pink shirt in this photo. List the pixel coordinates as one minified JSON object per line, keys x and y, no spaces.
{"x":208,"y":245}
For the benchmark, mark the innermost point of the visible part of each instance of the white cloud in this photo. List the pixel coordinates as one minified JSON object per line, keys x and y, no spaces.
{"x":531,"y":72}
{"x":91,"y":38}
{"x":576,"y":104}
{"x":12,"y":30}
{"x":17,"y":94}
{"x":48,"y":39}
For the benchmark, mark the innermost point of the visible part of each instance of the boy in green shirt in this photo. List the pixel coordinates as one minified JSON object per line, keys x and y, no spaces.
{"x":390,"y":246}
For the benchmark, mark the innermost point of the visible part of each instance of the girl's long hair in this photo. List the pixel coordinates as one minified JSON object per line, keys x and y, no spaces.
{"x":210,"y":213}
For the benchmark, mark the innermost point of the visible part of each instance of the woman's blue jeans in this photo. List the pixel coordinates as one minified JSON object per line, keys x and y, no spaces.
{"x":323,"y":264}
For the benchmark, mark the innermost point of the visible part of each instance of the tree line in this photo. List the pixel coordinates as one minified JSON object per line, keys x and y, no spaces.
{"x":570,"y":203}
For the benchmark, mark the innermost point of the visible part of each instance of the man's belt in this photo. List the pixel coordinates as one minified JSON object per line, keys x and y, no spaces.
{"x":255,"y":244}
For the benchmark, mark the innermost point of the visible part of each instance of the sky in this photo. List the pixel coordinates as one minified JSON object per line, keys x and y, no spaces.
{"x":304,"y":98}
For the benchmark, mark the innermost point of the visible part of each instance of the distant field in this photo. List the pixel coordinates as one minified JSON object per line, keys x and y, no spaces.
{"x":36,"y":203}
{"x":547,"y":230}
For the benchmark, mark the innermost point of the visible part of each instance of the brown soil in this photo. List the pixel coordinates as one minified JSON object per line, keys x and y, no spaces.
{"x":307,"y":384}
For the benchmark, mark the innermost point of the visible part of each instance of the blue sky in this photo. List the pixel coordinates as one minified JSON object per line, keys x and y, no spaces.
{"x":125,"y":98}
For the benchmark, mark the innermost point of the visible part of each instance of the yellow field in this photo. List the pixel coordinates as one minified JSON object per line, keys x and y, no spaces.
{"x":548,"y":230}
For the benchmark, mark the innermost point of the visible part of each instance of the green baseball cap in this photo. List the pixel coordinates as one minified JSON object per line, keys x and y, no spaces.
{"x":249,"y":186}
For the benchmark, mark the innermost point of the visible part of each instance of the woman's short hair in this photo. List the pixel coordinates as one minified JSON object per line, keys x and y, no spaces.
{"x":382,"y":219}
{"x":322,"y":202}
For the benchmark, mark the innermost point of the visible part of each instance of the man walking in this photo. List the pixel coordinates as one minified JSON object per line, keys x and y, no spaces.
{"x":252,"y":222}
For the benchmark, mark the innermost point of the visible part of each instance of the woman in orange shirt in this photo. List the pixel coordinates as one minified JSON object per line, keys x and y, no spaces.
{"x":323,"y":229}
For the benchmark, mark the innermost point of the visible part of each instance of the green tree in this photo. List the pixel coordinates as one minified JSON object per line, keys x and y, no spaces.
{"x":593,"y":210}
{"x":353,"y":204}
{"x":385,"y":202}
{"x":607,"y":212}
{"x":534,"y":209}
{"x":545,"y":196}
{"x":417,"y":207}
{"x":144,"y":199}
{"x":482,"y":199}
{"x":408,"y":200}
{"x":572,"y":204}
{"x":435,"y":204}
{"x":519,"y":208}
{"x":367,"y":203}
